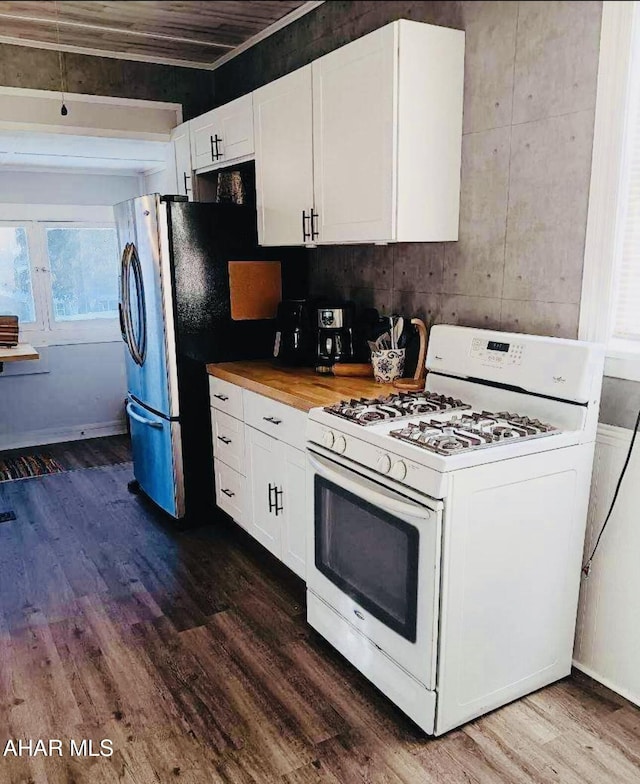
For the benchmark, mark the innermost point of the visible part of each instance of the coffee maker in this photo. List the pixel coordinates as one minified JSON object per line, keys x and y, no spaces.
{"x":335,"y":334}
{"x":294,"y":333}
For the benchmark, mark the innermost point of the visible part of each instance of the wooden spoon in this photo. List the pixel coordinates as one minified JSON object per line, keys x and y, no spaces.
{"x":417,"y":382}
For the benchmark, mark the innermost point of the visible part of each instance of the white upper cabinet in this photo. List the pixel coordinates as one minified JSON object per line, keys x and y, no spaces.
{"x":354,"y":135}
{"x":386,"y":140}
{"x":223,"y":135}
{"x":182,"y":153}
{"x":284,"y":159}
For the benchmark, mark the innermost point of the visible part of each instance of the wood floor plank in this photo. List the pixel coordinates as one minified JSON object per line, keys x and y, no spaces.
{"x":190,"y":651}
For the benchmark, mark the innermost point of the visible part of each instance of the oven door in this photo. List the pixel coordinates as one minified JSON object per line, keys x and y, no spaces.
{"x":374,"y":557}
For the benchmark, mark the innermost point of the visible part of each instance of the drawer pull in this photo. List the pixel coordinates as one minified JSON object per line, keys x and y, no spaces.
{"x":358,"y":614}
{"x":227,"y":492}
{"x":224,"y":439}
{"x":273,"y":420}
{"x":222,"y":397}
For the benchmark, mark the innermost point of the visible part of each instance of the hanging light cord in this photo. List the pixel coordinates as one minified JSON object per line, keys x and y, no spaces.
{"x":586,"y":569}
{"x":63,"y":108}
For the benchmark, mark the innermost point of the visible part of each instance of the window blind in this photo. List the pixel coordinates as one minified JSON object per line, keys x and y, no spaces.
{"x":626,"y":314}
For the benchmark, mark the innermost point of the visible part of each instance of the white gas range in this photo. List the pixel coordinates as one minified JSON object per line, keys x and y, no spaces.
{"x":446,"y":527}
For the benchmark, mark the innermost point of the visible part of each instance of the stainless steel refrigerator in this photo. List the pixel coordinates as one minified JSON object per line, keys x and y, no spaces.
{"x":175,"y":318}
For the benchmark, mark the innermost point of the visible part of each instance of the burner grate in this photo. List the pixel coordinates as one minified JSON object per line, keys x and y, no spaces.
{"x":472,"y":431}
{"x":371,"y":411}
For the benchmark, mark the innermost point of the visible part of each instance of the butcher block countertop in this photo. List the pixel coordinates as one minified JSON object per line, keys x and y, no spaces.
{"x":301,"y":388}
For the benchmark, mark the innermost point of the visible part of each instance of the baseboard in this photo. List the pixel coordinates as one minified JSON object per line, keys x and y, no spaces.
{"x":613,"y":435}
{"x":634,"y":698}
{"x":55,"y":436}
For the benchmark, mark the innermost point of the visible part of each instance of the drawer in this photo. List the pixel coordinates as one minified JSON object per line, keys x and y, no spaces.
{"x":231,"y":492}
{"x":225,"y":397}
{"x":408,"y":694}
{"x":228,"y":440}
{"x":276,"y":419}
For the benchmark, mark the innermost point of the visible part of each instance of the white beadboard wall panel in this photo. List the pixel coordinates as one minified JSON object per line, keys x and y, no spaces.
{"x":608,"y":633}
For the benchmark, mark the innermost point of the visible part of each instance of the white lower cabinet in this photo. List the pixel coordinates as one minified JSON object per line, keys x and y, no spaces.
{"x":260,"y":479}
{"x":276,"y":487}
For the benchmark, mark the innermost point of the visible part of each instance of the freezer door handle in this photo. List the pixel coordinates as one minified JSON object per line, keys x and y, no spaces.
{"x":141,"y":419}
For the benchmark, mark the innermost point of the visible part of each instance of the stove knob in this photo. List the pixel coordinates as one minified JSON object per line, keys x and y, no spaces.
{"x":384,"y":464}
{"x":328,"y":438}
{"x":399,"y":470}
{"x":340,"y":444}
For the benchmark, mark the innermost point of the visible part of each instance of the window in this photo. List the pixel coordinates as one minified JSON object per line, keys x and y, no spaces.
{"x":610,"y":307}
{"x":61,"y":280}
{"x":84,"y":272}
{"x":16,"y":291}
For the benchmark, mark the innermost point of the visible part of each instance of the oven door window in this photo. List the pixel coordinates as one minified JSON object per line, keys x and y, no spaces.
{"x":369,"y":554}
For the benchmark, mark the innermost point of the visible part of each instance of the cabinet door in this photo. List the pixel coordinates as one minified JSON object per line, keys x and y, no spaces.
{"x":265,"y":476}
{"x":223,"y":135}
{"x":203,"y":130}
{"x":182,"y":153}
{"x":284,"y":158}
{"x":355,"y":128}
{"x":235,"y":123}
{"x":294,"y":510}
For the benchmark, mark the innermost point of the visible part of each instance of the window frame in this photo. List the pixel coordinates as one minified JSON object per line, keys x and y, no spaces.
{"x":36,"y":219}
{"x":617,"y":94}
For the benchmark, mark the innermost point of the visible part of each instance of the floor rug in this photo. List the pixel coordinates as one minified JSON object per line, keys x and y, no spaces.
{"x":28,"y":466}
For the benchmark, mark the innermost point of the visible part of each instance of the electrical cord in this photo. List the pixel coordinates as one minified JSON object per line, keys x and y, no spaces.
{"x":586,"y":569}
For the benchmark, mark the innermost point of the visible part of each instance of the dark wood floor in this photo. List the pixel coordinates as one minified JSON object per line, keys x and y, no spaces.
{"x":191,"y":653}
{"x":81,"y":454}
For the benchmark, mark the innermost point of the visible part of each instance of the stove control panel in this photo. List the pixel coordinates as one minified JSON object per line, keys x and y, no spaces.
{"x":496,"y":353}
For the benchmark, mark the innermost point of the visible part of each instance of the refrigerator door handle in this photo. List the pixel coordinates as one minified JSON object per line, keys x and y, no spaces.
{"x":123,"y":305}
{"x":141,"y":419}
{"x":137,"y":345}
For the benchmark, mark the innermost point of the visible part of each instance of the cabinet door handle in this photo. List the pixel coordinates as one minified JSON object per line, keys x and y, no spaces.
{"x":215,"y":152}
{"x":271,"y":504}
{"x":279,"y":504}
{"x":222,"y":397}
{"x":224,"y":439}
{"x":272,"y":420}
{"x":314,"y":232}
{"x":227,"y":492}
{"x":305,"y":234}
{"x":186,"y":177}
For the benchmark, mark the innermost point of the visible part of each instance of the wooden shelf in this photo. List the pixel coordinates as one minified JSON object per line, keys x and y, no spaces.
{"x":19,"y":353}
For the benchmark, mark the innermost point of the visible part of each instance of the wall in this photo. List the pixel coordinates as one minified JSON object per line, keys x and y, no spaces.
{"x":73,"y":391}
{"x":608,"y":636}
{"x":38,"y":69}
{"x":31,"y":187}
{"x":530,"y":86}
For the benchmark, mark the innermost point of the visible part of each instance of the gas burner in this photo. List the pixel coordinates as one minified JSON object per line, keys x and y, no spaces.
{"x":474,"y":430}
{"x":371,"y":411}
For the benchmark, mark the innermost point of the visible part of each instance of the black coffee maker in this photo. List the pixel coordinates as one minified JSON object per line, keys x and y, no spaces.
{"x":294,"y":333}
{"x":335,"y":334}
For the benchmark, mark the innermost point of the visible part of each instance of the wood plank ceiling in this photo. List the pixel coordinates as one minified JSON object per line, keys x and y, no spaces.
{"x":196,"y":32}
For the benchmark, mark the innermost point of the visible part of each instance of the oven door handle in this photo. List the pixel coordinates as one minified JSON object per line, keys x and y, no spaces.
{"x":380,"y":500}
